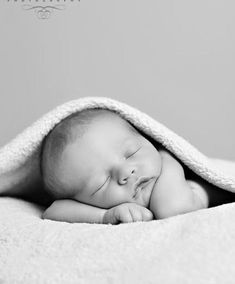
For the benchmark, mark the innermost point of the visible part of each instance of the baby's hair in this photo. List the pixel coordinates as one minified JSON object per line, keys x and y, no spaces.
{"x":67,"y":131}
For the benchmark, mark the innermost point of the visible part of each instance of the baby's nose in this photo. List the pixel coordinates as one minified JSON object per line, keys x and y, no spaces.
{"x":125,"y":175}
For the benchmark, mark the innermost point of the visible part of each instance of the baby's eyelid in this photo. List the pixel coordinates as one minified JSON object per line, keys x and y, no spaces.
{"x":102,"y":184}
{"x":134,"y":153}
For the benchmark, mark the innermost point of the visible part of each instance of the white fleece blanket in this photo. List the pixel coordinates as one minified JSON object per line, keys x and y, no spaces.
{"x":197,"y":247}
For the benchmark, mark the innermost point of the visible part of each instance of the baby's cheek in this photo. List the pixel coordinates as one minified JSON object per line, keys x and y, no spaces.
{"x":153,"y":162}
{"x":114,"y":197}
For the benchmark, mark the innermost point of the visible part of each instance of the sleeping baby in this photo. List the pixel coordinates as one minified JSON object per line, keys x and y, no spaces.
{"x":100,"y":169}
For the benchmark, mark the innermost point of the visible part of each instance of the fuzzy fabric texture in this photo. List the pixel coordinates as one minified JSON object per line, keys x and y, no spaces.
{"x":197,"y":247}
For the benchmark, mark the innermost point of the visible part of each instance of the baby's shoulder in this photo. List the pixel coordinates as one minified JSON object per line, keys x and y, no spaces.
{"x":170,"y":163}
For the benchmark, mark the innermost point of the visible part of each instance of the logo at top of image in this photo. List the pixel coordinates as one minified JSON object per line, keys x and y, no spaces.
{"x":43,"y":9}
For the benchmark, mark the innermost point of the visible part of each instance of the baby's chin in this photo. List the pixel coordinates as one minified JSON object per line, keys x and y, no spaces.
{"x":145,"y":194}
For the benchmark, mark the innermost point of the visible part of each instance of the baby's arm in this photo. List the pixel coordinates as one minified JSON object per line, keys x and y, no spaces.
{"x":68,"y":210}
{"x":172,"y":194}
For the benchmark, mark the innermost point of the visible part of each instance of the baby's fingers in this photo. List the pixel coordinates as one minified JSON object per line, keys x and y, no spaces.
{"x":147,"y":215}
{"x":126,"y":217}
{"x":140,"y":213}
{"x":130,"y":212}
{"x":136,"y":214}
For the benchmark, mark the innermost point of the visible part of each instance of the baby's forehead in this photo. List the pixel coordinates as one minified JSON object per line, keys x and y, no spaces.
{"x":123,"y":123}
{"x":107,"y":124}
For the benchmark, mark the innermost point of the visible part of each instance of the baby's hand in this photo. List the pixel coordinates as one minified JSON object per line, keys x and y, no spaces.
{"x":126,"y":213}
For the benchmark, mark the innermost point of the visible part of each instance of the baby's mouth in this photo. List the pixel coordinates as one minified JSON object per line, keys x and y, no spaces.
{"x":141,"y":184}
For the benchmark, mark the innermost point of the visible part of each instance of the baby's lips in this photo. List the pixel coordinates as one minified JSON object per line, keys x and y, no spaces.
{"x":141,"y":184}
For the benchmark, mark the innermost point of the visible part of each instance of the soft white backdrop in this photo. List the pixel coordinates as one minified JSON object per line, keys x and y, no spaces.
{"x":174,"y":60}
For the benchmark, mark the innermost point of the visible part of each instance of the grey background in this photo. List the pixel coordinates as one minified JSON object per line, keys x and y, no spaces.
{"x":174,"y":60}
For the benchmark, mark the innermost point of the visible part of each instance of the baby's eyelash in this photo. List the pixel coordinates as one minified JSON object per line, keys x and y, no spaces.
{"x":104,"y":183}
{"x":101,"y":185}
{"x":133,"y":153}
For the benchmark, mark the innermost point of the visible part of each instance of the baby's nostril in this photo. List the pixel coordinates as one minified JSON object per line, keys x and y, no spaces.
{"x":124,"y":180}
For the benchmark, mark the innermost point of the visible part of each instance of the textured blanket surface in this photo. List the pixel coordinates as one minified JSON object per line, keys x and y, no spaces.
{"x":197,"y":247}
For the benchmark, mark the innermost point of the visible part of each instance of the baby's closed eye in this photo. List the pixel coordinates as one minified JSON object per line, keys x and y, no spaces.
{"x":133,"y":153}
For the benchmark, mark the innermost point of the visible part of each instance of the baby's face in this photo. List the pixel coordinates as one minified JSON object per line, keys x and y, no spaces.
{"x":103,"y":166}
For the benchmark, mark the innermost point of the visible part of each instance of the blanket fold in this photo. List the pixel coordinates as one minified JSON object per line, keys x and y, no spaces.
{"x":19,"y":159}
